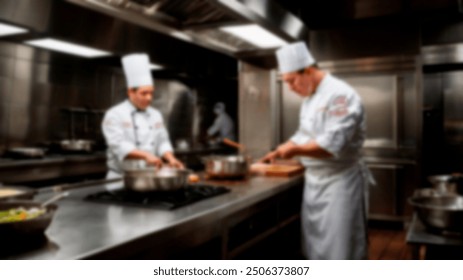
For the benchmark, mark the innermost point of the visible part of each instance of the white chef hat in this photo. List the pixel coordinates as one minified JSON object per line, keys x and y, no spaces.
{"x":294,"y":57}
{"x":137,"y":70}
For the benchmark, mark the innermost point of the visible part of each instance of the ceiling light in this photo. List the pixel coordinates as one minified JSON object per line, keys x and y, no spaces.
{"x":255,"y":35}
{"x":155,"y":66}
{"x":65,"y":47}
{"x":6,"y":29}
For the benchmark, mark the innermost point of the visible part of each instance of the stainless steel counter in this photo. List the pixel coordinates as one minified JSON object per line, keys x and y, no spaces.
{"x":83,"y":229}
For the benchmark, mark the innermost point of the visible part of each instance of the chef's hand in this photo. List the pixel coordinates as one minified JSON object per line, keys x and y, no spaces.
{"x":153,"y":160}
{"x":173,"y":162}
{"x":287,"y":150}
{"x":270,"y":157}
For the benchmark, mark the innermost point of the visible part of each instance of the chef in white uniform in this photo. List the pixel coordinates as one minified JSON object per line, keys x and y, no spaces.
{"x":133,"y":129}
{"x":328,"y":141}
{"x":223,"y":124}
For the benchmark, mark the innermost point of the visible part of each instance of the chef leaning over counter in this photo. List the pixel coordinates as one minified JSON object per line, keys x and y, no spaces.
{"x":330,"y":135}
{"x":133,"y":129}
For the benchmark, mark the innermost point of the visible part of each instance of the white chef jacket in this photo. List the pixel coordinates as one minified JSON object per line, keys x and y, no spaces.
{"x":126,"y":128}
{"x":224,"y":125}
{"x":334,"y":206}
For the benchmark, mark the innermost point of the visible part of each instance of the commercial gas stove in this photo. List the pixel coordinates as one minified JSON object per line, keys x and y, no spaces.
{"x":166,"y":200}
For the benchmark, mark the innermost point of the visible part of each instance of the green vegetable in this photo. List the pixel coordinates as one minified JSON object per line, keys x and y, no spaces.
{"x":20,"y":214}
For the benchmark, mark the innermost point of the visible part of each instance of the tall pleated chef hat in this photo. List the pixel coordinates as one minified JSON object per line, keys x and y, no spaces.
{"x":137,"y":70}
{"x":294,"y":57}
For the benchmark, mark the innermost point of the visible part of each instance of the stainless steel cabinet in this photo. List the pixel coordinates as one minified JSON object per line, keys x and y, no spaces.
{"x":395,"y":182}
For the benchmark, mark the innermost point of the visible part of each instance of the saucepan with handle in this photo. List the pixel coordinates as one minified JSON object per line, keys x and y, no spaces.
{"x":26,"y":218}
{"x":228,"y":166}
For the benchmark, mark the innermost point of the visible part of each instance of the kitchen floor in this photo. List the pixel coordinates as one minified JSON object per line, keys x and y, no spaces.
{"x":388,"y":244}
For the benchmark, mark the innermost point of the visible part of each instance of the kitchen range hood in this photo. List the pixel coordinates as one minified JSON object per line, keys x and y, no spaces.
{"x":195,"y":37}
{"x":205,"y":22}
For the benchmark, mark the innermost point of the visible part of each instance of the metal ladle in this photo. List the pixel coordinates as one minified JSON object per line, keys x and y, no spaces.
{"x":234,"y":144}
{"x":53,"y":199}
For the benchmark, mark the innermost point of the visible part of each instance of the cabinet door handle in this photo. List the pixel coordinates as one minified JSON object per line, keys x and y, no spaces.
{"x":386,"y":166}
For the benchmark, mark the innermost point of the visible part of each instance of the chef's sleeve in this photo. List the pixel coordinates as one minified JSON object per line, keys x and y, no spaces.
{"x":162,"y":140}
{"x":113,"y":132}
{"x":299,"y":137}
{"x":342,"y":118}
{"x":215,"y":127}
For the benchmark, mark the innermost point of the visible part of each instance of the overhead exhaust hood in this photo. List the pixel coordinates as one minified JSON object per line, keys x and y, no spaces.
{"x":202,"y":22}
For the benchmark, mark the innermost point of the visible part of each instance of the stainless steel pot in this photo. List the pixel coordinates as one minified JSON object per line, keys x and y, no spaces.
{"x":440,"y":212}
{"x":76,"y":145}
{"x":141,"y":178}
{"x":227,"y":166}
{"x":447,"y":184}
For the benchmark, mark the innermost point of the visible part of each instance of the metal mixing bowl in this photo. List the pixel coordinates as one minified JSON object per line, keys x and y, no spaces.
{"x":440,"y":212}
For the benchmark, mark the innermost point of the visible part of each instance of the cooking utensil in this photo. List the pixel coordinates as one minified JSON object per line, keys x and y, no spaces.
{"x":26,"y":228}
{"x":143,"y":178}
{"x":76,"y":145}
{"x":447,"y":183}
{"x":234,"y":144}
{"x":227,"y":166}
{"x":440,"y":212}
{"x":53,"y":199}
{"x":14,"y":192}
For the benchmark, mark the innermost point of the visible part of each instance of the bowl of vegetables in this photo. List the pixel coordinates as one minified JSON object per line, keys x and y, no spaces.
{"x":23,"y":218}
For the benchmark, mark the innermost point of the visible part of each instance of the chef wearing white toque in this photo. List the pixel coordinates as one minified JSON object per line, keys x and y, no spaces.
{"x":329,"y":139}
{"x":133,"y":129}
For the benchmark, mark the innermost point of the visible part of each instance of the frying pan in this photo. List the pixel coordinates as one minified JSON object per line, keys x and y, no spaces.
{"x":26,"y":228}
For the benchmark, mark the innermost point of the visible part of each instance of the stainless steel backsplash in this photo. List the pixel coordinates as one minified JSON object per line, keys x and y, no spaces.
{"x":36,"y":87}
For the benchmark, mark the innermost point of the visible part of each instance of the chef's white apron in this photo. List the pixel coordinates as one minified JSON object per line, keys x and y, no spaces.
{"x":334,"y":211}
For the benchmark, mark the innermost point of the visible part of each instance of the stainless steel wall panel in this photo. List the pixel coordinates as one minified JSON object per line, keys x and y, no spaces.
{"x":61,"y":76}
{"x":379,"y":95}
{"x":40,"y":73}
{"x":3,"y":126}
{"x":22,"y":92}
{"x":20,"y":12}
{"x":6,"y":67}
{"x":291,"y":105}
{"x":6,"y":89}
{"x":453,"y":113}
{"x":58,"y":128}
{"x":41,"y":95}
{"x":19,"y":124}
{"x":409,"y":112}
{"x":23,"y":70}
{"x":38,"y":126}
{"x":255,"y":109}
{"x":432,"y":89}
{"x":25,"y":52}
{"x":7,"y":49}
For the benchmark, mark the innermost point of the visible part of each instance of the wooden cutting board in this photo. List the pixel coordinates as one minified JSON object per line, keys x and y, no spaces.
{"x":282,"y":170}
